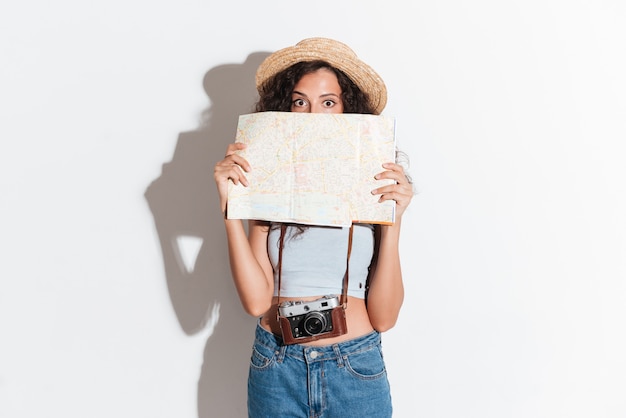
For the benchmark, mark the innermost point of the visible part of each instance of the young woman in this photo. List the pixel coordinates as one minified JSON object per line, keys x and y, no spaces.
{"x":343,"y":375}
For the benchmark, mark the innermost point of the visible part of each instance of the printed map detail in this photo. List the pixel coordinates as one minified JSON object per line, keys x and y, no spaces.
{"x":313,"y":168}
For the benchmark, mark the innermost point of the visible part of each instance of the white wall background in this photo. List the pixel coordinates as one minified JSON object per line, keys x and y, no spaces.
{"x":513,"y":113}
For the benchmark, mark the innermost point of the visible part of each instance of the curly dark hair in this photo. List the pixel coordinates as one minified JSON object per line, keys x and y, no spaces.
{"x":275,"y":94}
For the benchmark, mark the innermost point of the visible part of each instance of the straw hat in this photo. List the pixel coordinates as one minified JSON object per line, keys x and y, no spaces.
{"x":335,"y":53}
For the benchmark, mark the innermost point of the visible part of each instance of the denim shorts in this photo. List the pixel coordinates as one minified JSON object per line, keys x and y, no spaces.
{"x":344,"y":380}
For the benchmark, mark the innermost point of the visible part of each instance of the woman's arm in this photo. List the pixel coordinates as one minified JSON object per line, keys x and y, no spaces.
{"x":249,"y":261}
{"x":386,"y":290}
{"x":250,"y":266}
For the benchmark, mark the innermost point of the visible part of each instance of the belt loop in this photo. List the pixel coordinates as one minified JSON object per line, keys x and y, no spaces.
{"x":338,"y":355}
{"x":280,"y":354}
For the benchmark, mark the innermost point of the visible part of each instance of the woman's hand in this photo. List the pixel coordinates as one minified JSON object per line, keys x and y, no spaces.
{"x":401,"y":191}
{"x":232,"y":167}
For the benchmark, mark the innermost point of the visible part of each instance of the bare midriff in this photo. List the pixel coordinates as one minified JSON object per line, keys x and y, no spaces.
{"x":357,"y":320}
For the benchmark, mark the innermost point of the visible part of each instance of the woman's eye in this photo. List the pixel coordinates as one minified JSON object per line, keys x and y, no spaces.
{"x":328,"y":103}
{"x":299,"y":102}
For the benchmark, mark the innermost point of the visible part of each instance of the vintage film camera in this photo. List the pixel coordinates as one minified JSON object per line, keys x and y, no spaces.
{"x":301,"y":321}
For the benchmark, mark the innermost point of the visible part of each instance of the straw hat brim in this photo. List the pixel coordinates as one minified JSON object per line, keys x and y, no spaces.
{"x":337,"y":54}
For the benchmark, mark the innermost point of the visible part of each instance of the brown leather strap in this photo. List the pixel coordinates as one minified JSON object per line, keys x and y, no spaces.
{"x":281,"y":244}
{"x":344,"y":289}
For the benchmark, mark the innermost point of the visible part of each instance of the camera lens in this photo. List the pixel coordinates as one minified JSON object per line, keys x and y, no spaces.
{"x":314,"y":323}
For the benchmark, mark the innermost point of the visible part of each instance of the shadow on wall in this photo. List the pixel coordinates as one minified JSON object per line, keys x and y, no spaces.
{"x":185,"y":206}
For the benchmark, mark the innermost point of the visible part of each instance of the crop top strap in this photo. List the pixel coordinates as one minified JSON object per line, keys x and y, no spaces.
{"x":344,"y":289}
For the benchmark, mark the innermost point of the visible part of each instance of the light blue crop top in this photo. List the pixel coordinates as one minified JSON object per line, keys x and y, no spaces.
{"x":314,"y":262}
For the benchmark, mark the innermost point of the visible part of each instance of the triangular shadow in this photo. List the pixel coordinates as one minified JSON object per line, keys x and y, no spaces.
{"x":184,"y":202}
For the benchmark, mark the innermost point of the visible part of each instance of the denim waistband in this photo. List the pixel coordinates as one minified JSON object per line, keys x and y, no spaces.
{"x":310,"y":353}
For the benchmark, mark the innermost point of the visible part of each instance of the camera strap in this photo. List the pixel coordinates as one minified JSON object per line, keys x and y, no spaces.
{"x":344,"y":290}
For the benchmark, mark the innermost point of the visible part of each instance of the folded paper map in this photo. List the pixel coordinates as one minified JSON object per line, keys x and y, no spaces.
{"x":314,"y":168}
